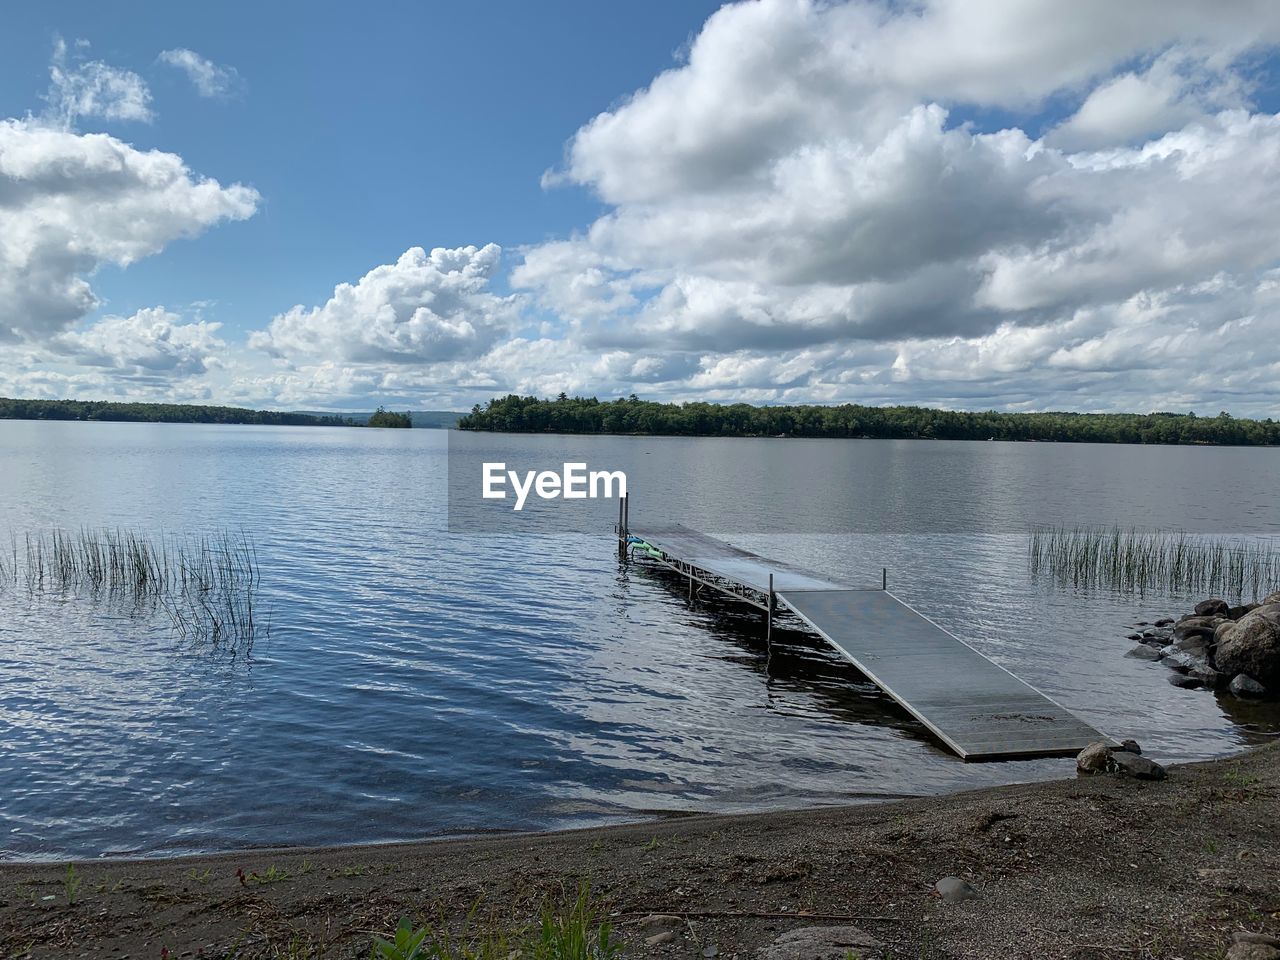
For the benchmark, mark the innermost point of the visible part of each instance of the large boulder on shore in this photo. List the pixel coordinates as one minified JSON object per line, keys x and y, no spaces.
{"x":1269,"y":610}
{"x":1252,"y":647}
{"x":1093,"y":758}
{"x":1125,"y":764}
{"x":1212,"y":608}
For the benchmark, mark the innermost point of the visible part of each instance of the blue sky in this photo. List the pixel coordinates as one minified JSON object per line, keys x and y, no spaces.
{"x":425,"y":124}
{"x":1016,"y":205}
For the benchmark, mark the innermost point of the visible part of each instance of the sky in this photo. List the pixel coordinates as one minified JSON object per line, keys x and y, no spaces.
{"x":970,"y":204}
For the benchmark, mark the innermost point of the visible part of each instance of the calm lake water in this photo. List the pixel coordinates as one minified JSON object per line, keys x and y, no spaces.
{"x":421,"y":681}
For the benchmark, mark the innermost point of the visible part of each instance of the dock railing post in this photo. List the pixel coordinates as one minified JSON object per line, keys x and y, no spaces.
{"x":625,"y":513}
{"x":884,"y":578}
{"x":618,"y":532}
{"x":768,"y":629}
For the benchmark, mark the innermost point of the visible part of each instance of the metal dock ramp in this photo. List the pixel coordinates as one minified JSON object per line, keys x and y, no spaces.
{"x":973,"y":705}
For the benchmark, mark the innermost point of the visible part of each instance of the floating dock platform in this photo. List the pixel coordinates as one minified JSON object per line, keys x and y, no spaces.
{"x":973,"y":705}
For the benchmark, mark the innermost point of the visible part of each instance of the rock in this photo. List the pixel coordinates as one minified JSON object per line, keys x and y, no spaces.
{"x":1252,"y":648}
{"x":1235,"y":613}
{"x":1196,"y":644}
{"x":1211,"y":608}
{"x":955,"y":890}
{"x":1164,"y":622}
{"x":1269,"y":610}
{"x":1220,"y":633}
{"x":1130,"y":746}
{"x":1272,"y":597}
{"x":1184,"y":661}
{"x":1208,"y":676}
{"x":661,"y":937}
{"x":823,"y":943}
{"x":1244,"y":936}
{"x":1191,"y":621}
{"x":1243,"y":685}
{"x":1133,"y":636}
{"x":1161,"y":634}
{"x":1199,"y":632}
{"x":1253,"y":951}
{"x":1126,"y":764}
{"x":1144,"y":652}
{"x":1092,"y":759}
{"x":1186,"y":682}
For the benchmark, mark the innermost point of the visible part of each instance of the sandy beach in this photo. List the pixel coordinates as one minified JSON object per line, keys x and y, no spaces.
{"x":1096,"y":867}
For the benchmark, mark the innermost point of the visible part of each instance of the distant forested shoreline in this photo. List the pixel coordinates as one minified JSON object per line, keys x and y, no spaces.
{"x":107,"y":410}
{"x":515,"y":414}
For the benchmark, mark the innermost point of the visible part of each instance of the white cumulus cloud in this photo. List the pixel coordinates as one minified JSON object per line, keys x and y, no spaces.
{"x":425,"y":307}
{"x":70,"y":203}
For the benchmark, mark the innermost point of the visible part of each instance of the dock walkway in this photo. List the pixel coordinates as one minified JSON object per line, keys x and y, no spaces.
{"x":972,"y":704}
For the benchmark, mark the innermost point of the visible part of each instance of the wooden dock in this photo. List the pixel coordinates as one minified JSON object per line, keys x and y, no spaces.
{"x":973,"y":705}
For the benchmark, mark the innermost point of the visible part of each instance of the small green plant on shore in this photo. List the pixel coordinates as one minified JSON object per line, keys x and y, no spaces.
{"x":272,"y":874}
{"x":199,"y":877}
{"x":575,"y":933}
{"x":571,"y":931}
{"x":71,"y":884}
{"x":406,"y":943}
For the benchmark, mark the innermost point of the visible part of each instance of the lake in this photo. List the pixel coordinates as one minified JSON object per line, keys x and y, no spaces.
{"x":426,"y":678}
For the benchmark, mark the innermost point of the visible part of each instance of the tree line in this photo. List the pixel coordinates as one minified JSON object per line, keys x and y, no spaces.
{"x":630,"y":415}
{"x":11,"y":409}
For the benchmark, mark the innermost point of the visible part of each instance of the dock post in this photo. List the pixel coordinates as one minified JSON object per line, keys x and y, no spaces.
{"x":884,"y":578}
{"x":625,"y":507}
{"x":617,"y":530}
{"x":768,"y":623}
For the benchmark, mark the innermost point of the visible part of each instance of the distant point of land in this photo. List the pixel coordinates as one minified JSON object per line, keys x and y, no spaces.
{"x":108,"y":410}
{"x":631,"y":415}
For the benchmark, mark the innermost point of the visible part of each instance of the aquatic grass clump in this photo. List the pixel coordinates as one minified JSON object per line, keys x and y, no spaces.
{"x":207,"y":585}
{"x":1136,"y":560}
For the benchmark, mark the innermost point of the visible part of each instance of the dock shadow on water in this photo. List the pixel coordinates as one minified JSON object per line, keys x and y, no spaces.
{"x":205,"y":588}
{"x":794,"y":661}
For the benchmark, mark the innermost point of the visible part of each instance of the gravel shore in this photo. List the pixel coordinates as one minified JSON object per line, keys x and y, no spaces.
{"x":1096,"y":867}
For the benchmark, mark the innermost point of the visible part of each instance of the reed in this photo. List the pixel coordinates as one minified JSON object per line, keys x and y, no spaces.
{"x":1134,"y":560}
{"x":207,"y":586}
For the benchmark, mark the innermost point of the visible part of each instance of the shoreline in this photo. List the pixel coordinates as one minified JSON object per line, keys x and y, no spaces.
{"x":1101,"y":866}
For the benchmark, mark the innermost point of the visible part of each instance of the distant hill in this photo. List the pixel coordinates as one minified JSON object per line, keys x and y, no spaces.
{"x":441,"y":419}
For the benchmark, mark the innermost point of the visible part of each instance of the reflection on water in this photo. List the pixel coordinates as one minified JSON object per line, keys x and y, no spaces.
{"x":419,"y":683}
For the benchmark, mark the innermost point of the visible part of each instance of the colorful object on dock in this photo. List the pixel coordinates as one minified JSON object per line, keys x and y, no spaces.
{"x":973,"y":705}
